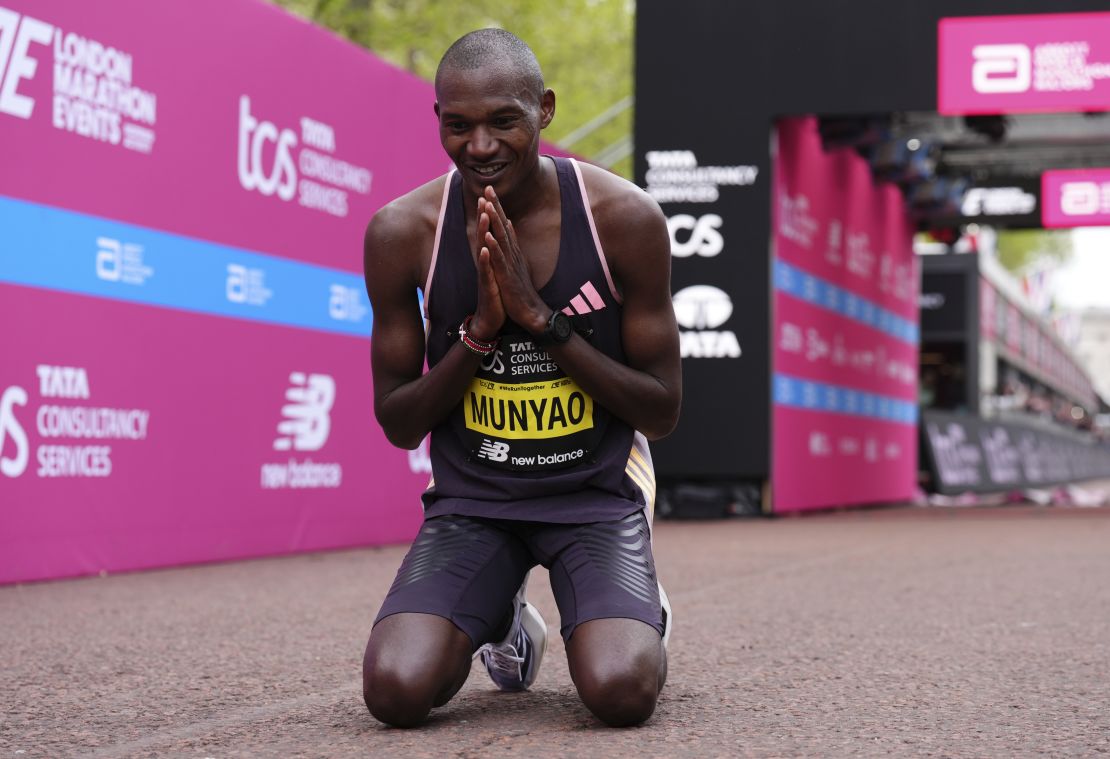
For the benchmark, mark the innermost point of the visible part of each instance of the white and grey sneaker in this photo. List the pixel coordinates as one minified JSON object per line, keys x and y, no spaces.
{"x":514,"y":662}
{"x":668,"y":617}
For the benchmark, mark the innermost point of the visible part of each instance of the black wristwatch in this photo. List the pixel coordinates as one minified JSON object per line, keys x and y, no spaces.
{"x":558,"y":329}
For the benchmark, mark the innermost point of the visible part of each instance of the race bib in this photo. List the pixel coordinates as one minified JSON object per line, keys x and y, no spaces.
{"x":521,"y":412}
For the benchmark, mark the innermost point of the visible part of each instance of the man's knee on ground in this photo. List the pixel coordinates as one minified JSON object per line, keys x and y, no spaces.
{"x":395,"y":694}
{"x":621,"y":689}
{"x":620,"y":699}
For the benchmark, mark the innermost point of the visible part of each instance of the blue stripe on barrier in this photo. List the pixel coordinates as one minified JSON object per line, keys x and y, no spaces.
{"x":48,"y":247}
{"x":819,"y":396}
{"x":816,"y":291}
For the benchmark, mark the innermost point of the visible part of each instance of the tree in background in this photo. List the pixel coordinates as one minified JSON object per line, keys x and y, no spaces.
{"x":584,"y":46}
{"x":1033,"y":256}
{"x":1022,"y":249}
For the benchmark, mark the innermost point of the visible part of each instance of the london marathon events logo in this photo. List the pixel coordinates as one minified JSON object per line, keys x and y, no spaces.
{"x":94,"y":90}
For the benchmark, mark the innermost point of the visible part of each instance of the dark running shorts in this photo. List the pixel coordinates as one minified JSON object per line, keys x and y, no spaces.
{"x":467,"y":570}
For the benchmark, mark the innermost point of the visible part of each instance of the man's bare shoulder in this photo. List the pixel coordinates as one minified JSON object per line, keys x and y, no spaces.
{"x":620,"y":208}
{"x":410,"y":219}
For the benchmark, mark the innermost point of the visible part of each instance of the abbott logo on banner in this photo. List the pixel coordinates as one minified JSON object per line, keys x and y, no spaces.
{"x":1075,"y":197}
{"x":346,"y":304}
{"x":305,"y":426}
{"x":121,"y":262}
{"x":246,"y":285}
{"x":286,"y":176}
{"x":701,"y":309}
{"x":1084,"y":198}
{"x":1001,"y":68}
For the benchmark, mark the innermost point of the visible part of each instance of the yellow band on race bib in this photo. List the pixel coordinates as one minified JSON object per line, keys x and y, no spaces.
{"x":528,"y":410}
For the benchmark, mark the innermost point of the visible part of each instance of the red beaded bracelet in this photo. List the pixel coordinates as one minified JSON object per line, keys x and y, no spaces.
{"x":473,"y":344}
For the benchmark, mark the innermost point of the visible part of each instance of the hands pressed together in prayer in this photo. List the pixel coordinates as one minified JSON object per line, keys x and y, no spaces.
{"x":505,"y":287}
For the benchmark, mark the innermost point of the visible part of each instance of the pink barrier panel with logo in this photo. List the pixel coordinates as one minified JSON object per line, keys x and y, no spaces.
{"x":185,"y":372}
{"x":213,"y":441}
{"x":1075,"y":198}
{"x":230,"y":121}
{"x":1016,"y":64}
{"x":845,"y":330}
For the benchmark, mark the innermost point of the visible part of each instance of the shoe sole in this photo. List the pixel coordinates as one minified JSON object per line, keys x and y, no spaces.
{"x":534,"y":626}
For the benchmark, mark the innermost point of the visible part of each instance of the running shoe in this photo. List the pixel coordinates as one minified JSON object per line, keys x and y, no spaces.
{"x":668,"y":618}
{"x":514,"y":662}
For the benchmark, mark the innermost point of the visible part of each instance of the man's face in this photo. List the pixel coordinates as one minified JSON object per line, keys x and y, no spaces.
{"x":489,"y":123}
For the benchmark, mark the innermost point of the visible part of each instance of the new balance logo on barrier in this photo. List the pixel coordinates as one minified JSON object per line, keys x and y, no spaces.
{"x":493,"y":451}
{"x":585,"y":301}
{"x":307,"y":419}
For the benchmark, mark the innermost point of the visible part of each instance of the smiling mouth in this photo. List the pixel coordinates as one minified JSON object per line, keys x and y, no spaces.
{"x":489,"y":170}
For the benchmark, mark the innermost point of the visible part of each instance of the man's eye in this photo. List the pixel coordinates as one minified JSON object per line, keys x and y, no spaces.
{"x":457,"y":126}
{"x":503,"y":121}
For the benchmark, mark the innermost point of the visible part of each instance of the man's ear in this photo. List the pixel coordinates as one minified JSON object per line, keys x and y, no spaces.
{"x":547,"y":108}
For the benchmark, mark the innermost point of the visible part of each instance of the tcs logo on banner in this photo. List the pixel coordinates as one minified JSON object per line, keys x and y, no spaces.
{"x":13,"y":458}
{"x":267,"y":163}
{"x":701,"y":235}
{"x":254,"y":135}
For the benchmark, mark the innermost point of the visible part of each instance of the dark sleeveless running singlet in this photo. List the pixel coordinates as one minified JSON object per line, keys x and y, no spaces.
{"x":526,"y":442}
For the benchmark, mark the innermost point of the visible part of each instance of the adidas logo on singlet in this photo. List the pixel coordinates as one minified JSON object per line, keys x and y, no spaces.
{"x":586,"y":301}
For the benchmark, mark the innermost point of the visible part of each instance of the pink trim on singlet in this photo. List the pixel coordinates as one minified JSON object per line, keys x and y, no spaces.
{"x":435,"y":245}
{"x":593,"y":231}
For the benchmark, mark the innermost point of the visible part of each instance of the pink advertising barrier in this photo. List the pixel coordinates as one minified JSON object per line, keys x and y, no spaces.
{"x":1075,"y":198}
{"x":259,"y":130}
{"x":845,"y":330}
{"x":167,"y":455}
{"x":1022,"y":64}
{"x":185,"y":359}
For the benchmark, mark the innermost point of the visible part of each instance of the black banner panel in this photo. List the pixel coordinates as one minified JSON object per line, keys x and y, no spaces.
{"x":970,"y":454}
{"x":944,"y":302}
{"x":711,"y":79}
{"x":1011,"y":203}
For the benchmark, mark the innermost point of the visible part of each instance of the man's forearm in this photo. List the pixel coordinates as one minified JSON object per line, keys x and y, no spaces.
{"x":645,"y":402}
{"x":410,"y":411}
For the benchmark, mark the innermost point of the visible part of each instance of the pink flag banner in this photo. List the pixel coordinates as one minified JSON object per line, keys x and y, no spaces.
{"x":845,"y":330}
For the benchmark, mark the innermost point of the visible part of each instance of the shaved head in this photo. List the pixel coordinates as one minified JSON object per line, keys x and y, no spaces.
{"x":495,"y":47}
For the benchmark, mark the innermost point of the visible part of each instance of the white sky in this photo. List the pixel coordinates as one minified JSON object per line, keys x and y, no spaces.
{"x":1084,"y":281}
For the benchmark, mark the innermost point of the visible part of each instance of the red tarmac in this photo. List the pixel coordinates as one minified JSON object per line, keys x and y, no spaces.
{"x":907,"y":632}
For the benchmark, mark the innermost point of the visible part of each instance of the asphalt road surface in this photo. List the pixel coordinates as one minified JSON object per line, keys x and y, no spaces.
{"x":908,"y":632}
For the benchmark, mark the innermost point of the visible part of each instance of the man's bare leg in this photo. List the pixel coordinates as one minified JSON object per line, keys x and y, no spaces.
{"x":413,"y":662}
{"x":619,"y":666}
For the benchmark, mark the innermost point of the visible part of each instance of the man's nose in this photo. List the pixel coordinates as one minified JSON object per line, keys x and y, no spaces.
{"x":482,"y":144}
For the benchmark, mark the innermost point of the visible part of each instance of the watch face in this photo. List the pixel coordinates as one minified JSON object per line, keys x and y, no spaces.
{"x":561,"y":327}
